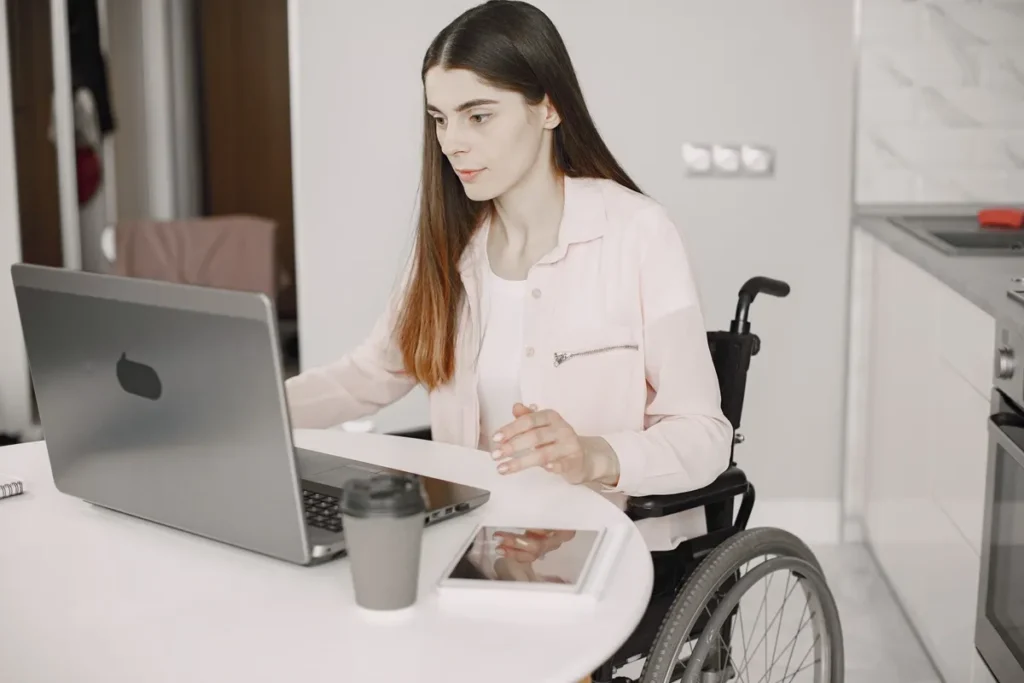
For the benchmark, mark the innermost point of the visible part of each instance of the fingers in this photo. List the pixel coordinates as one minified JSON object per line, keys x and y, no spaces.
{"x":524,"y":423}
{"x":534,"y":438}
{"x":537,"y":457}
{"x":569,"y":468}
{"x":518,"y":410}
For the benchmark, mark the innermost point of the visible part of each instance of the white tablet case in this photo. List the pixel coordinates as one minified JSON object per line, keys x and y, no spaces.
{"x":598,"y":574}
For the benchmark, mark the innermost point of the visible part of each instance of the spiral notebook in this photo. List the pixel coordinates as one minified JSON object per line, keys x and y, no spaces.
{"x":10,"y":487}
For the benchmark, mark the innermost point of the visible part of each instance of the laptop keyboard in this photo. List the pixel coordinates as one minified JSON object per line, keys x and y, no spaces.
{"x":322,"y":510}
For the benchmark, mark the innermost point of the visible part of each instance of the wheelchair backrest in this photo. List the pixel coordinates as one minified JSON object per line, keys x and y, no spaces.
{"x":731,"y":353}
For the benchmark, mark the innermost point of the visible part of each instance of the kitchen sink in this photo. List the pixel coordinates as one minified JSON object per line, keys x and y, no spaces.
{"x":961,"y":236}
{"x":1005,"y":241}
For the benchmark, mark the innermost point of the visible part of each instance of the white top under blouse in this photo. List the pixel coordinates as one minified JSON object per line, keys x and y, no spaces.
{"x":500,"y":359}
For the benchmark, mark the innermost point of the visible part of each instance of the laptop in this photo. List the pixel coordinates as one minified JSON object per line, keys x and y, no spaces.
{"x":166,"y":402}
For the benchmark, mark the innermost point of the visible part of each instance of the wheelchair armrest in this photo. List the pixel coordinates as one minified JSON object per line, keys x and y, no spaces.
{"x":731,"y":483}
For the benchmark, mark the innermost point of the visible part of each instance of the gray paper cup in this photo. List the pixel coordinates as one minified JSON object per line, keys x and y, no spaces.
{"x":383,"y":519}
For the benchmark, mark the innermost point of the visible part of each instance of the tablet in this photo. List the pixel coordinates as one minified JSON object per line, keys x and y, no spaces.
{"x":524,"y":558}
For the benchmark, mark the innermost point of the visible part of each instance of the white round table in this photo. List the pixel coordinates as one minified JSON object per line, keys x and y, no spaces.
{"x":90,"y":595}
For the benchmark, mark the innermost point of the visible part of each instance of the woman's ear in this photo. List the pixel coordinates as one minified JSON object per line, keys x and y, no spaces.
{"x":551,"y":116}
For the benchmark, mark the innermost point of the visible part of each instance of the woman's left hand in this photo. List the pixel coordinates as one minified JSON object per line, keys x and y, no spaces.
{"x":542,"y":438}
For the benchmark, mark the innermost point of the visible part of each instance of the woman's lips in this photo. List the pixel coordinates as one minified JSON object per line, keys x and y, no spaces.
{"x":469,"y":175}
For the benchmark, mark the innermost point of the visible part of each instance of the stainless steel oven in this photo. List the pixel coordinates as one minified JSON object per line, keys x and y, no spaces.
{"x":999,"y":629}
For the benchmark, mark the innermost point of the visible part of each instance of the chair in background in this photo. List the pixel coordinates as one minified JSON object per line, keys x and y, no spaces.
{"x":227,"y":252}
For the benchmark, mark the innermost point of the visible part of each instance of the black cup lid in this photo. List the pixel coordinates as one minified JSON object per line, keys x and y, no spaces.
{"x":383,"y":495}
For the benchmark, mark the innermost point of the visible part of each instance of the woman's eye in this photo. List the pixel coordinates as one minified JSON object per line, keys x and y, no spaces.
{"x":479,"y":118}
{"x":438,"y":121}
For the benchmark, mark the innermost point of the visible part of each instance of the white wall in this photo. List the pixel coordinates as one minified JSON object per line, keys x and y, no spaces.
{"x":941,"y":102}
{"x":355,"y":169}
{"x":655,"y":74}
{"x":14,"y":381}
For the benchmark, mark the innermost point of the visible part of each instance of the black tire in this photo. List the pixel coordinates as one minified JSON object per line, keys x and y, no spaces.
{"x":719,"y":567}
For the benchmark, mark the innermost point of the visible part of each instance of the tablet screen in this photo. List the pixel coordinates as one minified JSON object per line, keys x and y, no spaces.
{"x":527,"y":555}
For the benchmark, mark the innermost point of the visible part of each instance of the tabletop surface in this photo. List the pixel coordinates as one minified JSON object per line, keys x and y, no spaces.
{"x":89,"y":595}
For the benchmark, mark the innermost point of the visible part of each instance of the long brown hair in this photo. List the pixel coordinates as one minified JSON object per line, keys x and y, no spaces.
{"x":512,"y":46}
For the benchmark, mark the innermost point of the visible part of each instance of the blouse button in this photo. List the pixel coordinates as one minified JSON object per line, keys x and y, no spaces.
{"x":529,"y":352}
{"x":536,"y":293}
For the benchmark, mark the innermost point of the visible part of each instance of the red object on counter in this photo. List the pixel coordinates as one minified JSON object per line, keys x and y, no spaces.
{"x":1001,"y":218}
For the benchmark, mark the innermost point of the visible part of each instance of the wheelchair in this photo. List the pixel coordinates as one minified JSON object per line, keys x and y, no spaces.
{"x":694,"y":629}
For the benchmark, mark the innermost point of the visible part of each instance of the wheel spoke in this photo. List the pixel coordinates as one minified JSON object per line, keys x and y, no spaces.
{"x":747,"y":652}
{"x":720,"y":598}
{"x":775,"y":648}
{"x":791,"y":645}
{"x":757,"y":617}
{"x":743,"y":637}
{"x":802,"y":666}
{"x":790,"y":660}
{"x":729,"y":658}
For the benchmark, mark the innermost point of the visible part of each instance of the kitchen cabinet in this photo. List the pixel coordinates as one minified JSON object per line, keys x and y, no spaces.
{"x":925,"y":386}
{"x":980,"y":673}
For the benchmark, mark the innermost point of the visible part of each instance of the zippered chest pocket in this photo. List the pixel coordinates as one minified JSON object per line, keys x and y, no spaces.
{"x":596,"y":378}
{"x":561,"y":357}
{"x":594,"y":345}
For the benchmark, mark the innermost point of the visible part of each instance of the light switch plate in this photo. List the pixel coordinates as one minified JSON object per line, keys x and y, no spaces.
{"x":726,"y":159}
{"x":757,"y":160}
{"x":697,"y":159}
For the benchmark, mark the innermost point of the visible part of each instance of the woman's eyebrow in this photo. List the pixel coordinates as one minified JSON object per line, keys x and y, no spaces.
{"x":465,"y":105}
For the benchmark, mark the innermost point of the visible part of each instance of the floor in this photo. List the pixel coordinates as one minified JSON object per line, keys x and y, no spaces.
{"x":880,"y":646}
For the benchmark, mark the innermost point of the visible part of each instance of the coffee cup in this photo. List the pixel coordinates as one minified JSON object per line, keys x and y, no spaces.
{"x":383,"y":520}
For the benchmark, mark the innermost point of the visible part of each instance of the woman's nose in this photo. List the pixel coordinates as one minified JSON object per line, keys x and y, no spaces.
{"x":453,"y":141}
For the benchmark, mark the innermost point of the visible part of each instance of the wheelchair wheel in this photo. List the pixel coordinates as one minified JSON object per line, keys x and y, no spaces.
{"x":729,"y":622}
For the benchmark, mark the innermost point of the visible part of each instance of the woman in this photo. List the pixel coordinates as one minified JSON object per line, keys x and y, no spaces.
{"x":549,"y":307}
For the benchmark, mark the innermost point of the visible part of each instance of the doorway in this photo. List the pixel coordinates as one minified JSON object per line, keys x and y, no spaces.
{"x":245,"y":105}
{"x":31,"y":61}
{"x":220,"y":67}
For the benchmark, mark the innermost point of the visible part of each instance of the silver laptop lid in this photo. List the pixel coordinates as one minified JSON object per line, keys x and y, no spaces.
{"x":165,"y":401}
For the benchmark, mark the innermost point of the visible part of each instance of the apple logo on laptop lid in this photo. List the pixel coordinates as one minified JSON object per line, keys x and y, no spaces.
{"x":138,"y":379}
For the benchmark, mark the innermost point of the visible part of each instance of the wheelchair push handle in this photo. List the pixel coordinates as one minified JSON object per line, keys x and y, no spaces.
{"x":750,"y":289}
{"x":767,"y":285}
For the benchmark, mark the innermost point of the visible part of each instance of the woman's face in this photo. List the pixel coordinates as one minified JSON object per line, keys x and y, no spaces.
{"x":492,"y":138}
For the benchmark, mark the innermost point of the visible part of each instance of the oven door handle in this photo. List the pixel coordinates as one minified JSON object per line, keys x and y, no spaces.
{"x":999,"y":435}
